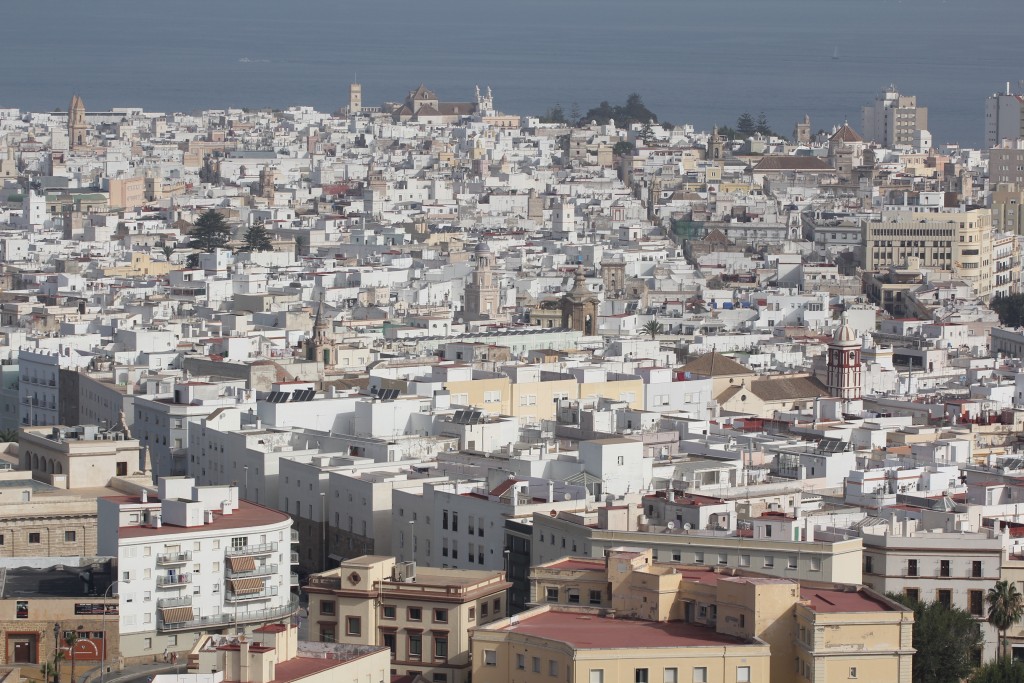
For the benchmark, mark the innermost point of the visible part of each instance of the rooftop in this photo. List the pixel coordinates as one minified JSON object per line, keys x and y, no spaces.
{"x":835,"y":600}
{"x":247,"y":515}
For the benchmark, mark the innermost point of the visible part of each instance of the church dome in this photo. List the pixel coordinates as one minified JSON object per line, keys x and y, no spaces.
{"x":844,"y":334}
{"x":482,"y":248}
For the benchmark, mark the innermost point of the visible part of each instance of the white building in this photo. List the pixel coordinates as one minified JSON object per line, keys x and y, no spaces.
{"x":196,"y":559}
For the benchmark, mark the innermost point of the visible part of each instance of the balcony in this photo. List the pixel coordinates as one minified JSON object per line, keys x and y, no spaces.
{"x":265,"y":570}
{"x":293,"y":580}
{"x":264,"y":594}
{"x":295,"y":536}
{"x":173,"y":580}
{"x":295,"y":558}
{"x":261,"y":549}
{"x":220,"y":620}
{"x":167,"y":559}
{"x":174,"y":602}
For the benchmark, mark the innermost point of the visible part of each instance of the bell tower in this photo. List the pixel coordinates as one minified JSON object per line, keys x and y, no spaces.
{"x":77,"y":128}
{"x":843,"y":363}
{"x":483,"y":300}
{"x":579,"y":307}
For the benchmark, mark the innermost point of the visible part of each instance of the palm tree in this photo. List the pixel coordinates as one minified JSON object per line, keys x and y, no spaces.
{"x":1005,"y":608}
{"x":71,"y":639}
{"x":653,"y":328}
{"x":8,"y":435}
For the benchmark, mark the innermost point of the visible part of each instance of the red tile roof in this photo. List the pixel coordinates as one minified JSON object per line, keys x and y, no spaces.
{"x":588,"y":631}
{"x":302,"y":667}
{"x":247,"y":515}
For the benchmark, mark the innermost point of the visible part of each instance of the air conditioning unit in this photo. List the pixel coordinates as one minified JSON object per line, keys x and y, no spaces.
{"x":404,"y":572}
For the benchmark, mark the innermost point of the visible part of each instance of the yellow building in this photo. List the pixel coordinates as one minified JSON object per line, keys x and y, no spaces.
{"x":422,"y":614}
{"x":141,"y":265}
{"x":816,"y":631}
{"x":127,"y":193}
{"x":582,"y":645}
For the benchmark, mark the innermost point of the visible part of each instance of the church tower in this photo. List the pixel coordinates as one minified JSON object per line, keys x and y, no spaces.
{"x":355,"y":98}
{"x":76,"y":123}
{"x":579,"y":307}
{"x":483,"y":300}
{"x":843,"y":364}
{"x":716,"y":147}
{"x":320,"y":346}
{"x":613,"y":274}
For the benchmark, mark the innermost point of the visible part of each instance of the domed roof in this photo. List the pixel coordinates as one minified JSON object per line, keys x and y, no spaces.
{"x":482,"y":248}
{"x":844,"y":334}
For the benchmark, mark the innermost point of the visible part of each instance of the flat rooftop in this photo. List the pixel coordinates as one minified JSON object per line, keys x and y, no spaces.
{"x":247,"y":515}
{"x":589,"y":631}
{"x":826,"y":600}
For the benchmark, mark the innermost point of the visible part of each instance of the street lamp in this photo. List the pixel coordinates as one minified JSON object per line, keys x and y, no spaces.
{"x":103,"y":628}
{"x":56,"y":653}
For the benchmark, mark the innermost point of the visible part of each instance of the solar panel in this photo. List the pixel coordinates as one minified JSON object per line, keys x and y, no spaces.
{"x":459,"y":417}
{"x":272,"y":397}
{"x":283,"y":396}
{"x":474,"y":417}
{"x":297,"y":395}
{"x":310,"y":393}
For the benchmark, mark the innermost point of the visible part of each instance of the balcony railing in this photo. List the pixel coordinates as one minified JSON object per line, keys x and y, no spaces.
{"x":294,"y":579}
{"x":173,"y":580}
{"x":245,"y":597}
{"x":262,"y":615}
{"x":261,"y":549}
{"x":174,"y":558}
{"x":265,"y":570}
{"x":174,"y":602}
{"x":295,"y":558}
{"x":295,"y":536}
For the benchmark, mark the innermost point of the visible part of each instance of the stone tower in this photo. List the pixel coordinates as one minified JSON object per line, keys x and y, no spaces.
{"x":77,"y":128}
{"x":579,"y":307}
{"x":716,"y":146}
{"x":843,"y":364}
{"x":483,"y":300}
{"x":613,"y":274}
{"x":321,"y":346}
{"x":355,"y":98}
{"x":802,"y":131}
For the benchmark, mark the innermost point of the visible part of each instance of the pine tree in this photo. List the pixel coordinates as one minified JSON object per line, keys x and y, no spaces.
{"x":762,"y":127}
{"x":745,"y":126}
{"x":257,"y":238}
{"x":211,"y":232}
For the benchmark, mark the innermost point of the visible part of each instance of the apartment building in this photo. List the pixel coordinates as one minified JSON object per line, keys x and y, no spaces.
{"x":951,"y":567}
{"x":39,"y":389}
{"x":810,"y":626}
{"x":1006,"y":163}
{"x":591,"y":534}
{"x":894,"y":119}
{"x":955,"y":240}
{"x":1008,"y":208}
{"x":1004,"y":117}
{"x":424,"y":615}
{"x":194,"y":559}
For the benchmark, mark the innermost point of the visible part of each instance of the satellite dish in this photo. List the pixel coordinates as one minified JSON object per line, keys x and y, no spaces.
{"x":671,"y":526}
{"x":687,"y":526}
{"x":566,"y":496}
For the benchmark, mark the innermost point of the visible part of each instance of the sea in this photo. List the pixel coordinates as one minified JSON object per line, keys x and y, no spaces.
{"x":702,"y":62}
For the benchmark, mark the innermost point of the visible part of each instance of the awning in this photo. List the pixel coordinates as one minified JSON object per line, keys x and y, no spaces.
{"x":176,"y":615}
{"x":244,"y":563}
{"x":246,"y":586}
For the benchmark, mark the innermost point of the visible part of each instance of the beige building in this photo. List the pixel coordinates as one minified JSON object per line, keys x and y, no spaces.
{"x":273,"y":653}
{"x":816,"y":631}
{"x":1006,"y":163}
{"x":127,"y":193}
{"x":958,"y":241}
{"x":894,"y":119}
{"x":422,"y":614}
{"x":1008,"y":208}
{"x":78,"y":457}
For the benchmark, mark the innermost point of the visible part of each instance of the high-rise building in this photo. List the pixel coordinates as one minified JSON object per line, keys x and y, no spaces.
{"x":1006,"y":163}
{"x":894,"y":119}
{"x":1004,"y":117}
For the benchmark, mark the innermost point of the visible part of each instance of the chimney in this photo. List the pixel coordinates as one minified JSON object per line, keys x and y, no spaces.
{"x":208,"y":516}
{"x":157,"y":521}
{"x":551,"y":491}
{"x":145,"y":496}
{"x":225,"y":507}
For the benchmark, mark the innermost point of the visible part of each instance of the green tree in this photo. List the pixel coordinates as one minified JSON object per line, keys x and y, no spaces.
{"x":653,"y":328}
{"x":1005,"y":608}
{"x":946,"y":639}
{"x":1002,"y":670}
{"x":745,"y":126}
{"x":257,"y":238}
{"x":623,"y":148}
{"x":167,"y":250}
{"x":8,"y":435}
{"x":647,"y":133}
{"x":633,"y":111}
{"x":1010,"y":309}
{"x":71,"y":639}
{"x":727,"y":132}
{"x":211,"y":232}
{"x":762,"y":127}
{"x":554,"y":115}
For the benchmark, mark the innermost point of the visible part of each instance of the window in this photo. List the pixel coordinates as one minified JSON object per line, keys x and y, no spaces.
{"x":574,"y":596}
{"x":944,"y":597}
{"x":976,"y":602}
{"x":671,"y":675}
{"x":911,"y":567}
{"x":913,"y":594}
{"x":69,"y":537}
{"x":595,"y":597}
{"x":497,"y":606}
{"x":552,"y":668}
{"x":353,"y":626}
{"x":415,"y":614}
{"x":439,"y":678}
{"x":472,"y":613}
{"x":976,"y":569}
{"x":597,"y":676}
{"x":389,"y":642}
{"x":723,"y":558}
{"x":388,"y":611}
{"x":327,"y":607}
{"x":444,"y":519}
{"x":521,"y":662}
{"x":815,"y":564}
{"x":441,"y":616}
{"x":415,"y":646}
{"x":33,"y":537}
{"x":742,"y":674}
{"x":535,"y":665}
{"x":490,"y":658}
{"x":484,"y":610}
{"x":552,"y":594}
{"x":744,"y":560}
{"x":769,"y":561}
{"x":327,"y":634}
{"x":698,"y":558}
{"x":792,"y":562}
{"x":700,"y":674}
{"x":640,"y":676}
{"x":853,"y":672}
{"x":440,"y":647}
{"x":943,"y":567}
